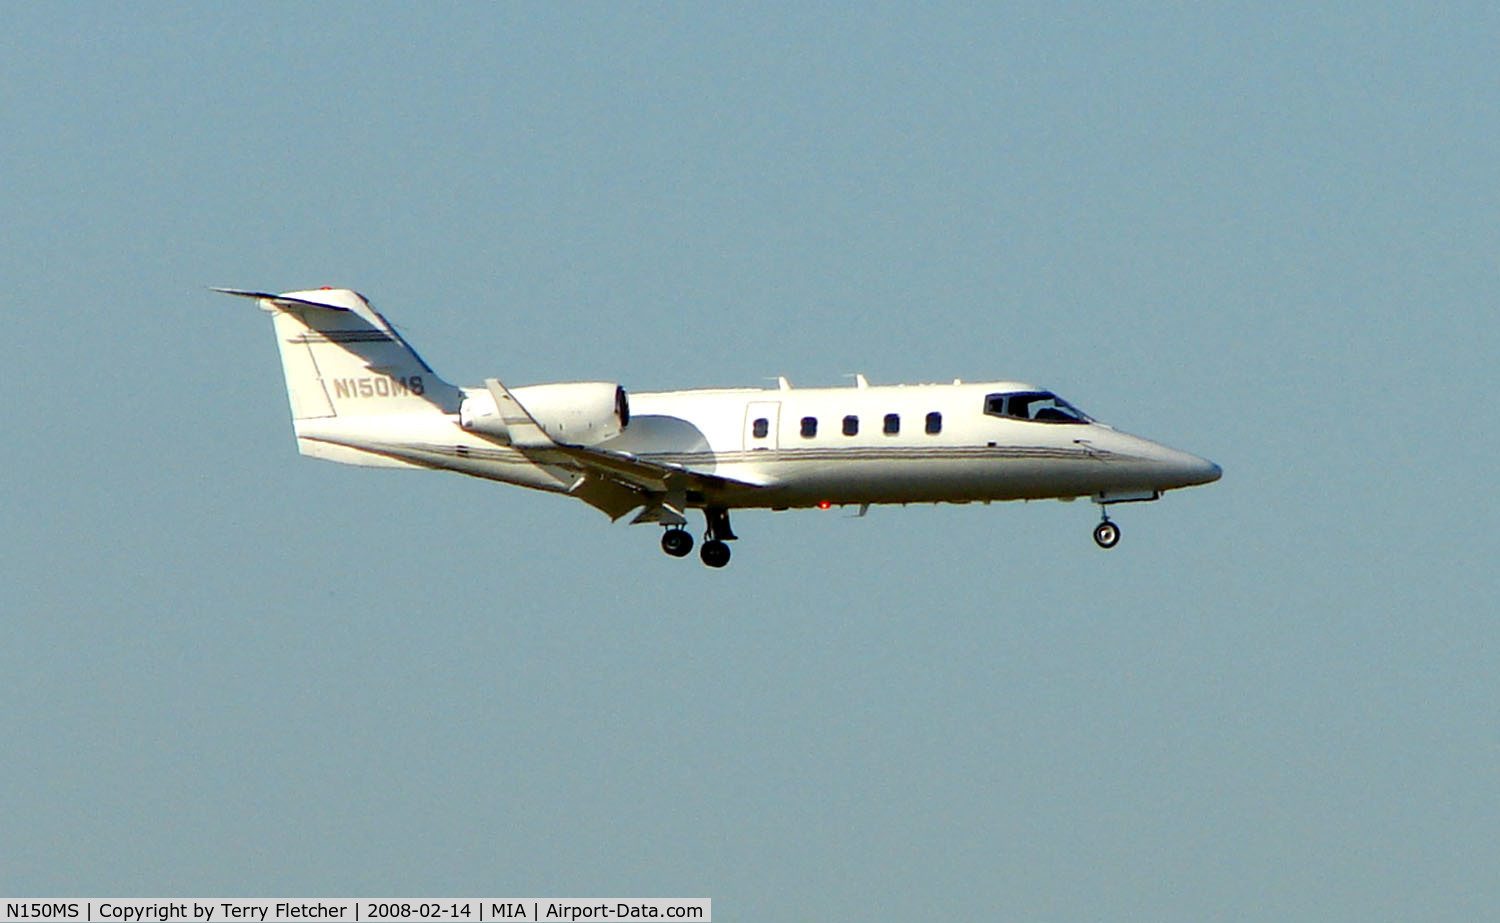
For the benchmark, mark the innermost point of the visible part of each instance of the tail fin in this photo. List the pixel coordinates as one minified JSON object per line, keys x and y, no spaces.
{"x":342,"y":359}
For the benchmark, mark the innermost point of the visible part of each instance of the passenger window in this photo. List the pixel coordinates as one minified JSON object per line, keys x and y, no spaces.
{"x":851,"y":425}
{"x":809,"y":427}
{"x":934,"y":423}
{"x":761,"y":427}
{"x":892,"y":424}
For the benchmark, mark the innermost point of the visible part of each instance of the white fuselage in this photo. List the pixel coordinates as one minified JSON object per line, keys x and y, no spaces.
{"x":909,"y":444}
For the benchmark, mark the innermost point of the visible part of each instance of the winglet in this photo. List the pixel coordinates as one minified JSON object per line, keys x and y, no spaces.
{"x":525,"y":432}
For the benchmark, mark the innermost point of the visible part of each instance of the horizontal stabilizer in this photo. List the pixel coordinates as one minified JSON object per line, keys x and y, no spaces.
{"x":281,"y":299}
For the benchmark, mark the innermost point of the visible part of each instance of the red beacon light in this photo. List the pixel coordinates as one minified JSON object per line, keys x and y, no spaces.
{"x":824,"y":504}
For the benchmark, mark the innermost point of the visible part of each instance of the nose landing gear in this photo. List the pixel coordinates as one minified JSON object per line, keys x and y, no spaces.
{"x":1106,"y":533}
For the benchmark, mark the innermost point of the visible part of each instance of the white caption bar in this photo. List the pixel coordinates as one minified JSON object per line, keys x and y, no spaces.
{"x":352,"y":909}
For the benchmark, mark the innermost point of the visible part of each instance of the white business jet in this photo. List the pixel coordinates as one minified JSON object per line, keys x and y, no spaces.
{"x":362,"y":396}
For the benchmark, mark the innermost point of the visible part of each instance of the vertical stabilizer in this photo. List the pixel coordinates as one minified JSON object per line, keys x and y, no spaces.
{"x":341,"y":358}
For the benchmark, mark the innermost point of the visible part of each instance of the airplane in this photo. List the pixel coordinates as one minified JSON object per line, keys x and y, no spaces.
{"x":361,"y":395}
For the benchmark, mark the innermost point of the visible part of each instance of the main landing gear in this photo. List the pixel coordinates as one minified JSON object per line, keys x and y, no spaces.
{"x":678,"y":542}
{"x":714,"y":553}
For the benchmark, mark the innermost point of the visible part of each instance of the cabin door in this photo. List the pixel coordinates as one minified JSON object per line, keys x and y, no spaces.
{"x":761,"y":424}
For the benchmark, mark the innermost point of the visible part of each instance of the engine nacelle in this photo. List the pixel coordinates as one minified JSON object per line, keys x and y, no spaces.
{"x":477,"y":414}
{"x":572,"y":412}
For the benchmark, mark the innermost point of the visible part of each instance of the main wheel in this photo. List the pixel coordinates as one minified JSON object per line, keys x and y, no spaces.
{"x":1107,"y":534}
{"x":677,"y":542}
{"x":714,"y":553}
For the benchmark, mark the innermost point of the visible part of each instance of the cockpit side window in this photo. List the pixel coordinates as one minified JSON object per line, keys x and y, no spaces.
{"x":1036,"y":406}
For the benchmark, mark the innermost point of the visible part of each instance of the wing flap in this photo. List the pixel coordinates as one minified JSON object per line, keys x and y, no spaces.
{"x":651,"y":476}
{"x":609,"y":497}
{"x":664,"y":513}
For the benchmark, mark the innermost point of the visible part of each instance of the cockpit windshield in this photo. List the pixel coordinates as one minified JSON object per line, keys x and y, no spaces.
{"x":1038,"y":406}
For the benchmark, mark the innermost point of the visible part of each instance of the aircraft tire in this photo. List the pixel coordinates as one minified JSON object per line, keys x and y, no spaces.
{"x":714,"y":553}
{"x":1107,"y":534}
{"x":677,"y":542}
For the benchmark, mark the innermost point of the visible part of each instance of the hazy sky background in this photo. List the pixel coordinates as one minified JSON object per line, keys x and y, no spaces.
{"x":1263,"y":235}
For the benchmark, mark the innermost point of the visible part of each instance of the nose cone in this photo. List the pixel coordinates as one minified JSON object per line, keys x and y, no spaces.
{"x":1140,"y":464}
{"x":1182,"y":469}
{"x":1202,"y":471}
{"x":1164,"y":468}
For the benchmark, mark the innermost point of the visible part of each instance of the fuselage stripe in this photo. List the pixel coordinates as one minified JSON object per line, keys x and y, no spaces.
{"x":337,"y":336}
{"x":690,"y":459}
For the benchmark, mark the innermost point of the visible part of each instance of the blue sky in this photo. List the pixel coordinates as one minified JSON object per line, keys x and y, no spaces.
{"x":1263,"y":235}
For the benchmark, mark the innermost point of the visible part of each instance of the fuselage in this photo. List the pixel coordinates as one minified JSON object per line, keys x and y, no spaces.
{"x":803,"y":447}
{"x":900,"y":444}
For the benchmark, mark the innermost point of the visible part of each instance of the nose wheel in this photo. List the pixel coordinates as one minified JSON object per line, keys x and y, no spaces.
{"x":1106,"y":534}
